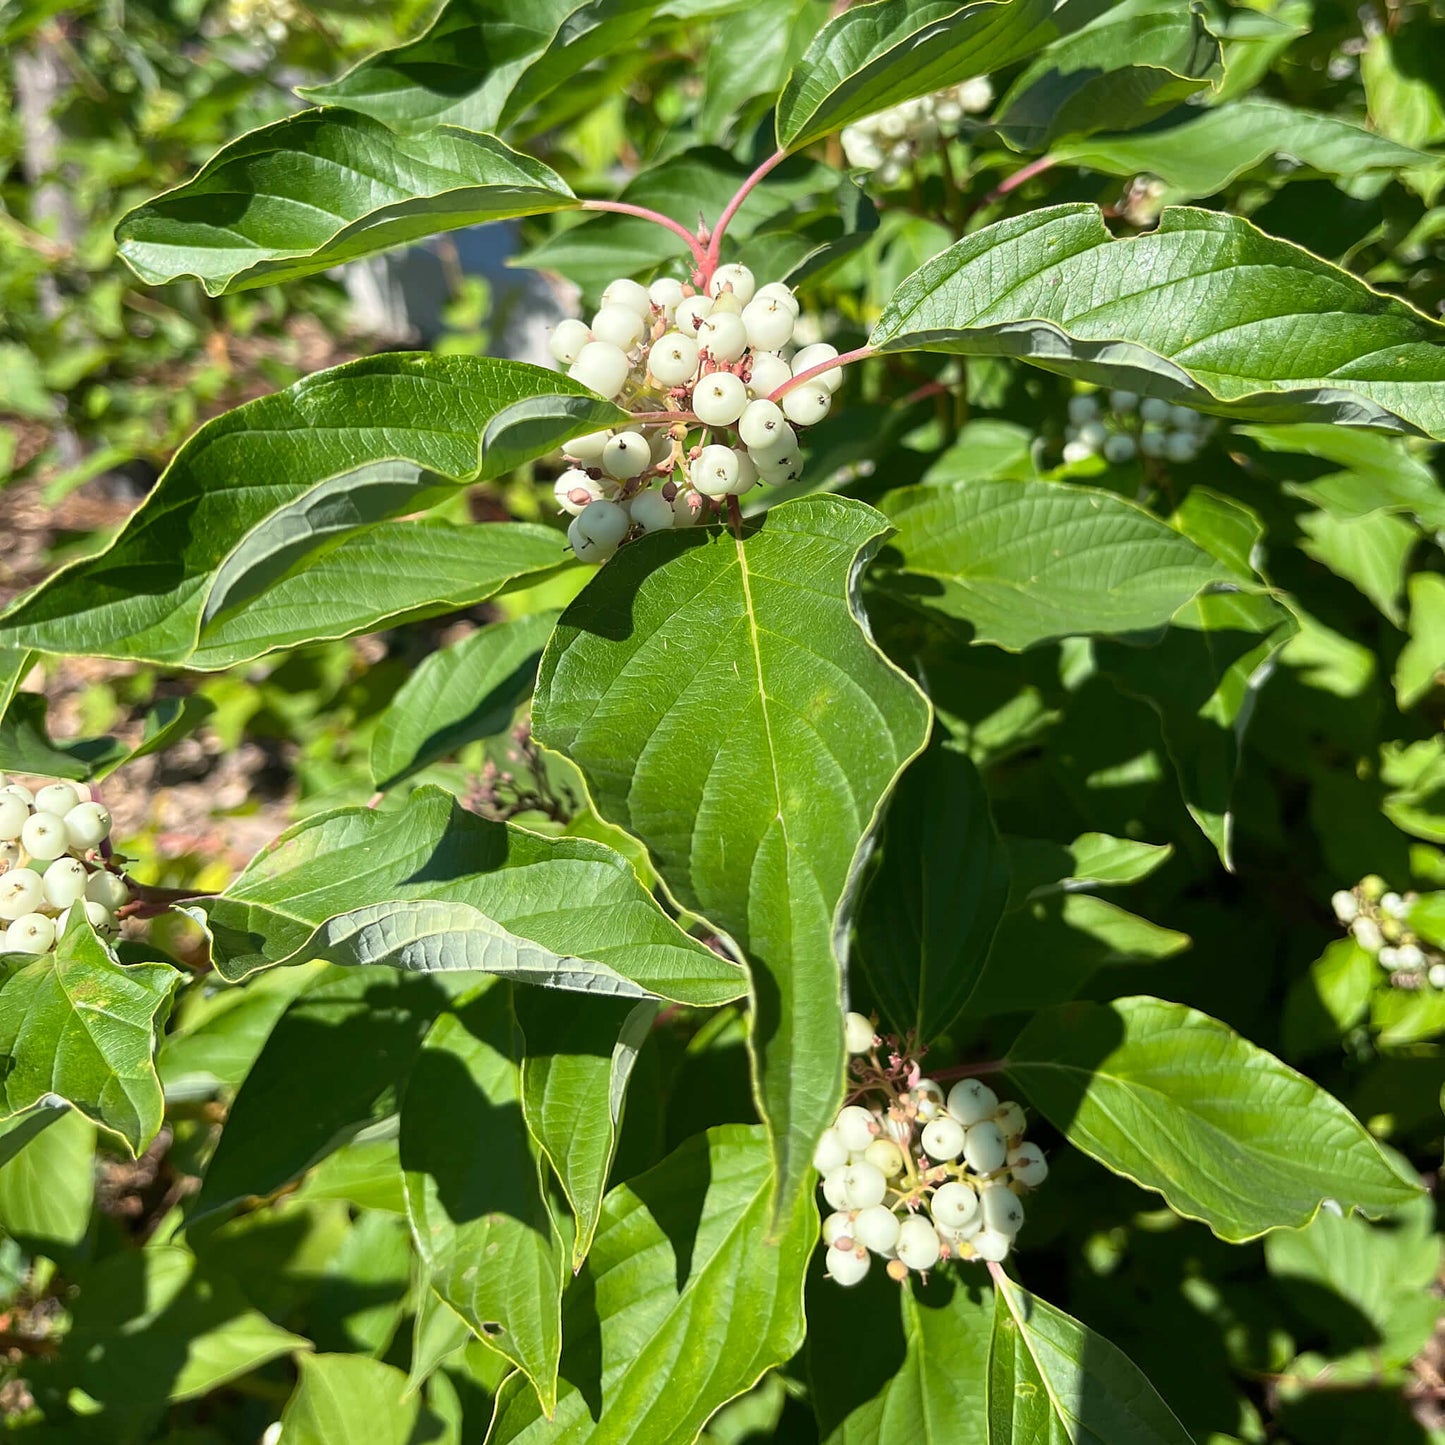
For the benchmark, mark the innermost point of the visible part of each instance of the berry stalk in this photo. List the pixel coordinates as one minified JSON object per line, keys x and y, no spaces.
{"x":623,"y":208}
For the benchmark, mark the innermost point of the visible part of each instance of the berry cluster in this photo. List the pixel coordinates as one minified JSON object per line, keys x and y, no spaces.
{"x":889,"y":142}
{"x":1133,"y":426}
{"x":713,"y":360}
{"x":1379,"y":921}
{"x":916,"y":1177}
{"x":52,"y":847}
{"x":272,"y":18}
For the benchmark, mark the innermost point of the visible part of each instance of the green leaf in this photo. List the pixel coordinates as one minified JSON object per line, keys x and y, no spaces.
{"x":47,"y":1182}
{"x":1371,"y":553}
{"x":728,"y":709}
{"x":26,"y":746}
{"x":875,"y":56}
{"x":1027,"y":561}
{"x":484,"y":63}
{"x":1134,"y":62}
{"x":145,"y":596}
{"x":75,"y":1023}
{"x":1331,"y":999}
{"x":349,"y":1397}
{"x":928,"y":913}
{"x":1051,"y":1378}
{"x":1177,"y":1102}
{"x":153,"y":1324}
{"x":924,"y":1374}
{"x":572,"y":910}
{"x":1202,"y":679}
{"x":345,"y":1047}
{"x":1200,"y":154}
{"x":467,"y":691}
{"x":749,"y":58}
{"x":574,"y":1082}
{"x":313,"y":190}
{"x":480,"y":1219}
{"x":1039,"y":868}
{"x":1206,"y":309}
{"x":377,"y":577}
{"x":691,"y":1291}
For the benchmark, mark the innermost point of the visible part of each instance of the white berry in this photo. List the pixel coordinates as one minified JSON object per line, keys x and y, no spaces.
{"x":22,"y":890}
{"x":19,"y":790}
{"x":1180,"y":446}
{"x":816,"y":355}
{"x":954,"y":1205}
{"x":778,"y":291}
{"x":769,"y":372}
{"x":769,"y":323}
{"x":666,"y":293}
{"x":1010,"y":1118}
{"x":107,"y":889}
{"x":587,"y":447}
{"x":747,"y":477}
{"x":1119,"y":448}
{"x":848,"y":1266}
{"x":13,"y":813}
{"x":808,"y":404}
{"x":690,"y":312}
{"x":762,"y":424}
{"x":1154,"y":409}
{"x":56,"y":798}
{"x":885,"y":1156}
{"x":970,"y":1102}
{"x":991,"y":1244}
{"x":620,"y":325}
{"x":1124,"y":401}
{"x":928,"y":1094}
{"x":715,"y":471}
{"x":837,"y":1225}
{"x":574,"y":489}
{"x":30,"y":933}
{"x":1001,"y":1209}
{"x":568,"y":339}
{"x":673,"y":359}
{"x":626,"y":292}
{"x":831,"y":1153}
{"x":724,"y":336}
{"x":857,"y":1033}
{"x":1083,"y":409}
{"x":101,"y":919}
{"x":627,"y":455}
{"x":87,"y":825}
{"x":943,"y":1139}
{"x":918,"y":1243}
{"x":1027,"y":1165}
{"x":43,"y":836}
{"x":854,"y":1125}
{"x":985,"y":1148}
{"x":9,"y":854}
{"x":876,"y":1228}
{"x":602,"y":367}
{"x":65,"y":882}
{"x":736,"y":278}
{"x":652,"y":512}
{"x":603,"y":523}
{"x":719,"y":398}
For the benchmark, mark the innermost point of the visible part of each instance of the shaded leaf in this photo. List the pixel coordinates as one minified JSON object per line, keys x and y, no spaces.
{"x":458,"y":694}
{"x":145,"y":596}
{"x":462,"y":885}
{"x":480,"y":1219}
{"x":1039,"y":867}
{"x":349,"y":1397}
{"x":1028,"y":561}
{"x":316,"y":189}
{"x":1206,"y":309}
{"x":574,"y":1083}
{"x":1203,"y":151}
{"x":1051,"y":1378}
{"x":76,"y":1024}
{"x":728,"y":709}
{"x":1421,"y":664}
{"x":484,"y":63}
{"x":47,"y":1182}
{"x":1179,"y":1103}
{"x":928,"y":913}
{"x":691,"y":1291}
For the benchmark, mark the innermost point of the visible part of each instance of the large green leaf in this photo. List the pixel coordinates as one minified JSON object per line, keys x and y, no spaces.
{"x":874,"y":56}
{"x":47,"y":1179}
{"x":261,"y":483}
{"x":1134,"y":62}
{"x":690,"y":1293}
{"x":574,"y":1082}
{"x":1177,"y":1102}
{"x":1205,"y":309}
{"x":1026,"y":561}
{"x":1203,"y":151}
{"x":1053,"y":1379}
{"x":1421,"y":664}
{"x":350,"y":1397}
{"x":433,"y":888}
{"x":928,"y":913}
{"x":345,"y":1047}
{"x":749,"y":58}
{"x":457,"y":694}
{"x":924,"y":1374}
{"x":77,"y":1024}
{"x":316,"y":189}
{"x":484,"y":63}
{"x":150,"y":1325}
{"x":727,"y":708}
{"x":474,"y":1193}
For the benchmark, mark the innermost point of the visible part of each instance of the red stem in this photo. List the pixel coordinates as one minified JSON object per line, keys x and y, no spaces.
{"x":708,"y":262}
{"x":967,"y":1071}
{"x":1013,"y":182}
{"x":997,"y":1271}
{"x":622,"y":208}
{"x":847,"y":358}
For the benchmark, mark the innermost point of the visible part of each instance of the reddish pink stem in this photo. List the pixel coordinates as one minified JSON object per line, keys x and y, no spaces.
{"x":708,"y":262}
{"x":1000,"y":1275}
{"x":967,"y":1071}
{"x":622,"y":208}
{"x":1013,"y":182}
{"x":847,"y":358}
{"x":661,"y":418}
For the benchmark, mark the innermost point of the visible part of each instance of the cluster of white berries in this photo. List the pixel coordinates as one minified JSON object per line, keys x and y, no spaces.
{"x":1378,"y":920}
{"x":52,"y":860}
{"x":889,"y":141}
{"x":714,"y":358}
{"x":272,"y":18}
{"x":916,"y":1177}
{"x":1133,"y":426}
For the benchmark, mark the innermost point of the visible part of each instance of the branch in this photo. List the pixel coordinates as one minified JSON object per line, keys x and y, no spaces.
{"x":622,"y":208}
